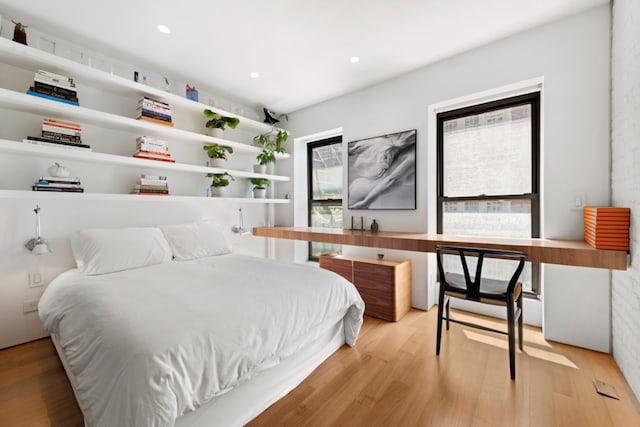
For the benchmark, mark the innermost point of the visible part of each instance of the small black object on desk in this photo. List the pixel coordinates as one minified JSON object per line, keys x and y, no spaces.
{"x":361,"y":224}
{"x":374,"y":226}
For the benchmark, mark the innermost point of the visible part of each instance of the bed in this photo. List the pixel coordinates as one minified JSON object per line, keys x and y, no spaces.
{"x":195,"y":335}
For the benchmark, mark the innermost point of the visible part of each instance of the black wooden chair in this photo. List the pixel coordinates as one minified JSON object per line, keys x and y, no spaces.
{"x":506,"y":292}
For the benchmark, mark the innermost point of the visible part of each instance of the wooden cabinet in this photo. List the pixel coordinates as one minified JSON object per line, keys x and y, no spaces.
{"x":385,"y":286}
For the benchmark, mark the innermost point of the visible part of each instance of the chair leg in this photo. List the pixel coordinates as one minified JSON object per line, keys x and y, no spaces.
{"x":448,"y":312}
{"x":512,"y":339}
{"x":520,"y":337}
{"x":440,"y":310}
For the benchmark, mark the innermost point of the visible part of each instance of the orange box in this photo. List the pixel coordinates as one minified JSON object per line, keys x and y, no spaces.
{"x":607,"y":227}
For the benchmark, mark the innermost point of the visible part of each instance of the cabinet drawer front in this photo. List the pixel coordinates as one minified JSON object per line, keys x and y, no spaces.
{"x":341,"y":266}
{"x":375,"y":277}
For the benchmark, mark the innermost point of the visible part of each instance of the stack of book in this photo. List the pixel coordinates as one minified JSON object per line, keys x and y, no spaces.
{"x":53,"y":183}
{"x":58,"y":133}
{"x":152,"y":185}
{"x":607,"y":227}
{"x":153,"y":149}
{"x":53,"y":86}
{"x":154,"y":111}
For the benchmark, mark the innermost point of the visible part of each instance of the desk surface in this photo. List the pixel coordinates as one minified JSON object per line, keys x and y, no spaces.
{"x":563,"y":252}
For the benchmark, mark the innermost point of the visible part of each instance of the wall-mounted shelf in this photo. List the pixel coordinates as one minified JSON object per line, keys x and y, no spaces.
{"x":51,"y":195}
{"x":32,"y":104}
{"x":7,"y":146}
{"x":30,"y":58}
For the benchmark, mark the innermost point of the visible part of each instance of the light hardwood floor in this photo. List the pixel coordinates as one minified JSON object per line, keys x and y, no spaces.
{"x":391,"y":378}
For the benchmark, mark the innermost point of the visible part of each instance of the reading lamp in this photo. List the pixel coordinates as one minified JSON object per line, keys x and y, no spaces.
{"x":38,"y":245}
{"x":239,"y":229}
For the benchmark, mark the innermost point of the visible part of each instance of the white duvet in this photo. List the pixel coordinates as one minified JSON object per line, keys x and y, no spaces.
{"x":150,"y":344}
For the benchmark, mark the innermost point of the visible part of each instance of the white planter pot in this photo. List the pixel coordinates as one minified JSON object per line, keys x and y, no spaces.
{"x":216,"y":132}
{"x":260,"y":168}
{"x":259,"y":193}
{"x":218,"y":191}
{"x":218,"y":163}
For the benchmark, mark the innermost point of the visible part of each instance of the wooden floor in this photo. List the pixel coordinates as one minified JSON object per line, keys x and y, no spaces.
{"x":391,"y":378}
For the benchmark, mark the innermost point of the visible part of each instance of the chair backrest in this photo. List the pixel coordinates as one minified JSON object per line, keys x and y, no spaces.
{"x":473,"y":284}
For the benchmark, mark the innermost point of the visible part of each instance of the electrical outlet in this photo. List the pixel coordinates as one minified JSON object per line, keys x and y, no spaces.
{"x":578,"y":201}
{"x":29,"y":305}
{"x":35,"y":279}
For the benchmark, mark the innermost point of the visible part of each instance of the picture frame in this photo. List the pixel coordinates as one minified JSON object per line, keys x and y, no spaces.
{"x":382,"y":172}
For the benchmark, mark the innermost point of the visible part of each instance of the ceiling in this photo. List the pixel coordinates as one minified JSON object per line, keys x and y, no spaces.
{"x":301,"y":49}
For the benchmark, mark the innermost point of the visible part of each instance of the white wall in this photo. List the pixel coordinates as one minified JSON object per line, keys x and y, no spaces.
{"x":572,"y":56}
{"x":625,"y":139}
{"x":62,"y":217}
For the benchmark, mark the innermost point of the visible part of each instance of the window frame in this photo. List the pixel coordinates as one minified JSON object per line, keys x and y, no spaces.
{"x":533,"y":99}
{"x":311,"y":202}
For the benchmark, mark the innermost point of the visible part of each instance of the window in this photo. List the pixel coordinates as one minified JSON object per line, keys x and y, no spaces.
{"x":488,"y":173}
{"x":325,"y":190}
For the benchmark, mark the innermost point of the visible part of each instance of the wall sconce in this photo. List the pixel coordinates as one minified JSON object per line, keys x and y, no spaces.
{"x":38,"y":245}
{"x":239,"y":229}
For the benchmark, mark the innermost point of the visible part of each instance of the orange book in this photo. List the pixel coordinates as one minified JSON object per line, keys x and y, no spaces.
{"x":151,"y":119}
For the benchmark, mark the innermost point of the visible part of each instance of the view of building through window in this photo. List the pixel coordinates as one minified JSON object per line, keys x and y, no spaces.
{"x":325,"y":190}
{"x":488,"y":176}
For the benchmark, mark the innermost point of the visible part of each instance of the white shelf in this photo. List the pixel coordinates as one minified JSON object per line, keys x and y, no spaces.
{"x":27,"y":57}
{"x":7,"y":146}
{"x":52,"y":195}
{"x":32,"y":104}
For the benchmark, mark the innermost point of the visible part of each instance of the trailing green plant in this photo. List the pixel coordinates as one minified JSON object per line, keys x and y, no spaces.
{"x":216,"y":151}
{"x":260,"y":183}
{"x":219,"y":121}
{"x":220,"y":179}
{"x":272,"y":144}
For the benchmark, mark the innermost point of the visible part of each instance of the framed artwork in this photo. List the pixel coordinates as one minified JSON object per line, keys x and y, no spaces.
{"x":382,"y":172}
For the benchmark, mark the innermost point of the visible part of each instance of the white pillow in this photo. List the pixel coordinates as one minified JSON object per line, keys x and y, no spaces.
{"x":195,"y":240}
{"x":106,"y":250}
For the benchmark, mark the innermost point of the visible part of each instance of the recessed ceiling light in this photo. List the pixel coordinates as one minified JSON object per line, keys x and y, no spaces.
{"x":163,"y":29}
{"x":254,"y":75}
{"x":354,"y":59}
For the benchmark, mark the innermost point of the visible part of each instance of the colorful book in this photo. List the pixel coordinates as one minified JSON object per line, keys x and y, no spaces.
{"x":62,"y":123}
{"x":53,"y":94}
{"x":62,"y":190}
{"x":54,"y":88}
{"x":57,"y":144}
{"x":154,"y":120}
{"x":57,"y":136}
{"x":154,"y":177}
{"x":56,"y":184}
{"x":61,"y":129}
{"x":154,"y":114}
{"x":52,"y":98}
{"x":68,"y":180}
{"x":154,"y":158}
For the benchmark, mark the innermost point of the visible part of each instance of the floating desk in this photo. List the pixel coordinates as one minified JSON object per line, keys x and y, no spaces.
{"x":563,"y":252}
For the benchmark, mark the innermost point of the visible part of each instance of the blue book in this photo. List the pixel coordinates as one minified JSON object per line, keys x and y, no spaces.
{"x":53,"y":98}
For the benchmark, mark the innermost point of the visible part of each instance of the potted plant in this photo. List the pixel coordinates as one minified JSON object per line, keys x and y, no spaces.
{"x":260,"y":187}
{"x":218,"y":154}
{"x":218,"y":183}
{"x":218,"y":122}
{"x":272,"y":144}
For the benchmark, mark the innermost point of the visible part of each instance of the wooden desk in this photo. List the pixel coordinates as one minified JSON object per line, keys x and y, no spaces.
{"x":563,"y":252}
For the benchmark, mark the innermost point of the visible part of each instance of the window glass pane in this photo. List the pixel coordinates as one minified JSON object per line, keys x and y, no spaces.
{"x":327,"y":217}
{"x":503,"y":218}
{"x":488,"y":153}
{"x":326,"y":172}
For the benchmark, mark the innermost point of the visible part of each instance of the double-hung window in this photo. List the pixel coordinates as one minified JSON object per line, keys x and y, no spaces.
{"x":489,"y":174}
{"x":325,"y":190}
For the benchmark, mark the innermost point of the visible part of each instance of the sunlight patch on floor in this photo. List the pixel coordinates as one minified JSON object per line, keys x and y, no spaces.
{"x":545,"y":355}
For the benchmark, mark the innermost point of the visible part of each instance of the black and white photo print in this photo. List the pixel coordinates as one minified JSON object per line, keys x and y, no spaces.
{"x":382,"y":172}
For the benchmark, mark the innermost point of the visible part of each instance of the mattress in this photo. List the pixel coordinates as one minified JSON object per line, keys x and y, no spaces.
{"x":159,"y":345}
